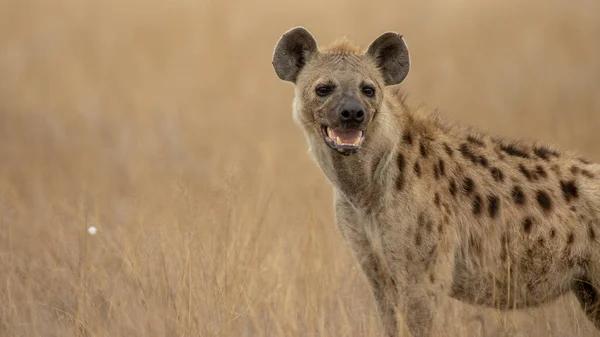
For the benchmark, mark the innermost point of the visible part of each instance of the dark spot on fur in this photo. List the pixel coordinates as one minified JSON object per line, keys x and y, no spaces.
{"x":530,"y":286}
{"x":569,"y":190}
{"x":436,"y":199}
{"x":493,"y":205}
{"x":464,"y":149}
{"x":512,"y":150}
{"x":417,"y":169}
{"x":421,"y":220}
{"x":409,"y":256}
{"x":544,"y":200}
{"x":552,"y":233}
{"x":527,"y":224}
{"x":529,"y":252}
{"x":575,"y":170}
{"x":452,"y":187}
{"x":570,"y":238}
{"x":418,"y":238}
{"x":448,"y":149}
{"x":573,"y":209}
{"x":591,"y":233}
{"x":518,"y":196}
{"x":497,"y":174}
{"x":436,"y":172}
{"x":442,"y":166}
{"x":375,"y":266}
{"x":468,"y":185}
{"x":540,"y":241}
{"x":587,"y":173}
{"x":429,"y":257}
{"x":400,"y":179}
{"x":407,"y":138}
{"x":525,"y":172}
{"x":540,"y":171}
{"x":545,"y":266}
{"x":474,"y":140}
{"x":429,"y":226}
{"x":476,"y":204}
{"x":431,"y":278}
{"x":423,"y":150}
{"x":544,"y":153}
{"x":483,"y":161}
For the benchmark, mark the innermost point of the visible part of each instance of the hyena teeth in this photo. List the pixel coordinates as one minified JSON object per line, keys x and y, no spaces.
{"x":329,"y":133}
{"x":338,"y":141}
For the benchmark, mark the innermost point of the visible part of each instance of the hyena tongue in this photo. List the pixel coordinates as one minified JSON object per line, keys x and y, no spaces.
{"x":346,"y":137}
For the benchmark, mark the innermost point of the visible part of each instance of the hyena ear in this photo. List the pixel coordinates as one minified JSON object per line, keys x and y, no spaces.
{"x":292,"y":52}
{"x":391,"y":55}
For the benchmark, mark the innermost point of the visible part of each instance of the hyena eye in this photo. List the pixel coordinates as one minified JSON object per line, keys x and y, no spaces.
{"x":368,"y":90}
{"x":324,"y":90}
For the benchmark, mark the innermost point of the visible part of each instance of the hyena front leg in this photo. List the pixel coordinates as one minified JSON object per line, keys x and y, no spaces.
{"x":393,"y":294}
{"x":417,"y":305}
{"x":383,"y":285}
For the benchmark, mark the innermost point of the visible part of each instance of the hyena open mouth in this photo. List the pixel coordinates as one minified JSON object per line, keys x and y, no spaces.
{"x":344,"y":141}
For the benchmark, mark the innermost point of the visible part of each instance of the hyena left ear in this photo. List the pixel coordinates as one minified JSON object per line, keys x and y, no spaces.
{"x":292,"y":52}
{"x":391,"y":56}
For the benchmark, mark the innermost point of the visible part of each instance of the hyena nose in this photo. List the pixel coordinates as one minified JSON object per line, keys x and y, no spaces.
{"x":351,"y":112}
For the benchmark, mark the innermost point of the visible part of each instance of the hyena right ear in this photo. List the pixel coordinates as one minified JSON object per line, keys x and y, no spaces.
{"x":391,"y":55}
{"x":293,"y":50}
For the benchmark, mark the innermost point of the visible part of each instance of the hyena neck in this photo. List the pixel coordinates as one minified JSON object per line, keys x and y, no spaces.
{"x":362,"y":178}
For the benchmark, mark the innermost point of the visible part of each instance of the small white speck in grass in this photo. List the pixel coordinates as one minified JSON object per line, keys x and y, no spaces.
{"x":92,"y":230}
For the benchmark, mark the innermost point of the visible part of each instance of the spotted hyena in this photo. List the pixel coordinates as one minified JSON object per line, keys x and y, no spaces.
{"x":432,"y":209}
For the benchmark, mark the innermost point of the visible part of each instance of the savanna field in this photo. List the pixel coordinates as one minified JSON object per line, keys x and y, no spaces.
{"x":163,"y":125}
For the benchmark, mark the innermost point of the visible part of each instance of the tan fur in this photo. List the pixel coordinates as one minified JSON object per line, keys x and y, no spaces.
{"x":343,"y":45}
{"x":434,"y":210}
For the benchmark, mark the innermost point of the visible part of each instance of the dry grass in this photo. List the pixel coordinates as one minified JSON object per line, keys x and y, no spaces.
{"x":163,"y":124}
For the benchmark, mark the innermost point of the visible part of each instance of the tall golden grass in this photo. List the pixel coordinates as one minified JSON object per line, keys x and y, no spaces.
{"x":162,"y":124}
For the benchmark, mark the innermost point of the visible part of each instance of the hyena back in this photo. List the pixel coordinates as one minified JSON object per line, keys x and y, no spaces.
{"x":432,"y":209}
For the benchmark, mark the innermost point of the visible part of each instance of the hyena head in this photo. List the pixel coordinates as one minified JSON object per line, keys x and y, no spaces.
{"x":339,"y":89}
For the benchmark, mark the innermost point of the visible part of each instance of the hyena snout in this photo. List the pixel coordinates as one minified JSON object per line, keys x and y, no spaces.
{"x":348,"y":121}
{"x":351,"y":114}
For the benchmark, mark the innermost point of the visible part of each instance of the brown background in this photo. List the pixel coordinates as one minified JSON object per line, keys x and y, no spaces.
{"x":163,"y":124}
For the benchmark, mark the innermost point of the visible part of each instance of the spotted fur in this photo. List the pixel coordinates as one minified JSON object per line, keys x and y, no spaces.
{"x":432,"y":209}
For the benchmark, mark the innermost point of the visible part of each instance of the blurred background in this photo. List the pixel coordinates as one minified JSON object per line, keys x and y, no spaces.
{"x":163,"y":125}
